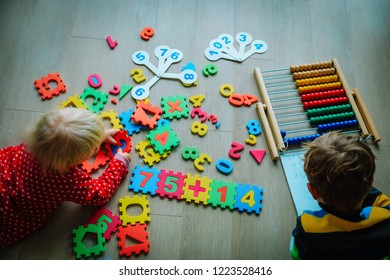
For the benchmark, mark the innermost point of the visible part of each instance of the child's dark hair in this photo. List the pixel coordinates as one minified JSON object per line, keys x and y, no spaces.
{"x":341,"y":168}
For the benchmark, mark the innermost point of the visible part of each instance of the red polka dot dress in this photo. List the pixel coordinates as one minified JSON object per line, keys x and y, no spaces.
{"x":28,"y":197}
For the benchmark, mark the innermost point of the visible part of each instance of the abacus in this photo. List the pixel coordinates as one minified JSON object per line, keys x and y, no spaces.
{"x":304,"y":101}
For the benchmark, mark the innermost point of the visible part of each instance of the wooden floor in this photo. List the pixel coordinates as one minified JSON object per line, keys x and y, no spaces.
{"x":40,"y":37}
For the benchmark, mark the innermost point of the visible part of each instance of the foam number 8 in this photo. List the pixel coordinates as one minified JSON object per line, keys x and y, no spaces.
{"x":253,"y":127}
{"x":190,"y":153}
{"x":199,"y":128}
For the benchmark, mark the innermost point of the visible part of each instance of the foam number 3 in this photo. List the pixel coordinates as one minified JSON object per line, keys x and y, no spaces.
{"x":198,"y":162}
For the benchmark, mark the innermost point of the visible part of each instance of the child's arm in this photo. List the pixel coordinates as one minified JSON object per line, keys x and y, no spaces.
{"x":88,"y":191}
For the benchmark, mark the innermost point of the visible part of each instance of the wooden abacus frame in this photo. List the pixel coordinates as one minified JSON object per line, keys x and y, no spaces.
{"x":268,"y":119}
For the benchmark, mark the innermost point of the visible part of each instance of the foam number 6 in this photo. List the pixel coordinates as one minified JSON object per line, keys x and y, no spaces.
{"x":147,"y":33}
{"x":199,"y":128}
{"x":253,"y":127}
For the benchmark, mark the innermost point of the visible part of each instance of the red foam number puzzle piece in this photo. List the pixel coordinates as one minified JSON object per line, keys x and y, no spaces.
{"x":44,"y":89}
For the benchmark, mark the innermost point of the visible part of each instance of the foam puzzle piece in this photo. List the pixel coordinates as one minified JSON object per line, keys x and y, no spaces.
{"x":99,"y":160}
{"x":234,"y":151}
{"x":124,"y":90}
{"x":196,"y":189}
{"x":127,"y":201}
{"x":44,"y":89}
{"x":99,"y":99}
{"x":113,"y":118}
{"x":201,"y":114}
{"x":146,"y":151}
{"x":111,"y":43}
{"x":170,"y":184}
{"x":249,"y":198}
{"x":138,"y":234}
{"x":95,"y":80}
{"x":73,"y":101}
{"x":222,"y":194}
{"x":131,"y":127}
{"x":107,"y":220}
{"x":124,"y":142}
{"x":198,"y":162}
{"x":146,"y":114}
{"x":251,"y":140}
{"x":253,"y":127}
{"x":174,"y":107}
{"x":79,"y":235}
{"x":197,"y":100}
{"x":163,"y":139}
{"x":258,"y":155}
{"x":224,"y":166}
{"x":144,"y":179}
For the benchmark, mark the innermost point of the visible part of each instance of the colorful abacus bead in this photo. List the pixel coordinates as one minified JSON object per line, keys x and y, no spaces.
{"x":325,"y":103}
{"x":316,"y":80}
{"x":311,"y":66}
{"x":329,"y":110}
{"x":331,"y":118}
{"x":301,"y":139}
{"x":314,"y":73}
{"x":322,"y":128}
{"x":322,"y":95}
{"x":320,"y":87}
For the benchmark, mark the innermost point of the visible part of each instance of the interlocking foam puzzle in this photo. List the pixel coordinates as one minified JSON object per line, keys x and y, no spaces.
{"x":174,"y":107}
{"x":107,"y":220}
{"x":44,"y":89}
{"x":126,"y":202}
{"x":163,"y":139}
{"x":99,"y":160}
{"x":99,"y":99}
{"x":138,"y":234}
{"x":193,"y":188}
{"x":73,"y":101}
{"x":146,"y":151}
{"x":113,"y":118}
{"x":142,"y":114}
{"x":130,"y":126}
{"x":124,"y":142}
{"x":80,"y":249}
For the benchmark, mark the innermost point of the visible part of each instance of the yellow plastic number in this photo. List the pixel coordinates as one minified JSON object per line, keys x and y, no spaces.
{"x":249,"y":198}
{"x":199,"y":128}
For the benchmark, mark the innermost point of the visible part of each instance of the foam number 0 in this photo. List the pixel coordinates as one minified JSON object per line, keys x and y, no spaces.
{"x":249,"y":198}
{"x":226,"y":90}
{"x":199,"y":128}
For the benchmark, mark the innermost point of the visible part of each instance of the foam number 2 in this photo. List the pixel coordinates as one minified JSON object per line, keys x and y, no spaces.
{"x":138,"y":75}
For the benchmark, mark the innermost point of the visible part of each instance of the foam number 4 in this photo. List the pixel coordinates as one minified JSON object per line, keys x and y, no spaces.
{"x":197,"y":100}
{"x":249,"y":198}
{"x":242,"y":99}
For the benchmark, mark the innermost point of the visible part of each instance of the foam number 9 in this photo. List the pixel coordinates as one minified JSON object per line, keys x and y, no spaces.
{"x":210,"y":70}
{"x":137,"y":75}
{"x":199,"y":128}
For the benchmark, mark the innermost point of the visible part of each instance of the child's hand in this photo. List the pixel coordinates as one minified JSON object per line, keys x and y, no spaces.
{"x":109,"y":136}
{"x":123,"y":154}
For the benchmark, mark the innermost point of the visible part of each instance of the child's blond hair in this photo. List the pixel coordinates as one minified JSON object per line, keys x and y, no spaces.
{"x":341,"y":168}
{"x":65,"y":137}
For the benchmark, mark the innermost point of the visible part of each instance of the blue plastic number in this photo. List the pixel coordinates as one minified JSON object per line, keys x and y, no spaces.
{"x":140,"y":56}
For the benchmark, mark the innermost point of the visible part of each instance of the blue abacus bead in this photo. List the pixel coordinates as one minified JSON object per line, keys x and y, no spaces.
{"x":283,"y":133}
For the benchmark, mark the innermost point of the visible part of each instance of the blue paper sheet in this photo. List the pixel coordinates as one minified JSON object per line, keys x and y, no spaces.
{"x":297,"y":181}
